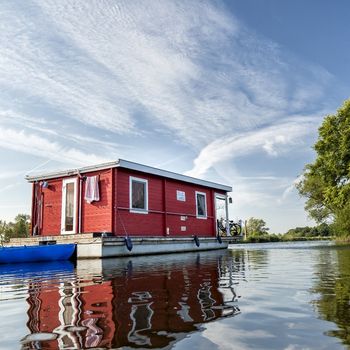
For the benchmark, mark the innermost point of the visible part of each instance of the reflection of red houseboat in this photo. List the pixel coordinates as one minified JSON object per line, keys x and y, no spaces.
{"x":159,"y":210}
{"x":145,"y":303}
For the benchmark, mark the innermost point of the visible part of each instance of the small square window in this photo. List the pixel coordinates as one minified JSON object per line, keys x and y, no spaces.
{"x":201,"y":205}
{"x":138,"y":195}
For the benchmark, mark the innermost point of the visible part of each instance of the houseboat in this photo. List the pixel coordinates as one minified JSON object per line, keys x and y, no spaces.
{"x":123,"y":208}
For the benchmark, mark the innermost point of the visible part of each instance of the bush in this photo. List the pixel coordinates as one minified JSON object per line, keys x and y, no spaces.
{"x":17,"y":229}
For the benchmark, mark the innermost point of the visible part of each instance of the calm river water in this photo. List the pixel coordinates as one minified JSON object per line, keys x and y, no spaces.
{"x":267,"y":296}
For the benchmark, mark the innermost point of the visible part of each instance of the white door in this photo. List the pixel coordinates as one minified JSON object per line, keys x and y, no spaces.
{"x":220,"y":211}
{"x":69,"y":206}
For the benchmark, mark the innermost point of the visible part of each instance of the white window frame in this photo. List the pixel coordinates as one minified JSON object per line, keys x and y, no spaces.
{"x":206,"y":206}
{"x":63,"y":207}
{"x":135,"y":210}
{"x":222,"y":197}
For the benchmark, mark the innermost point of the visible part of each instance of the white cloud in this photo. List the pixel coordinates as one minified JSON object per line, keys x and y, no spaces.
{"x":272,"y":139}
{"x":237,"y":338}
{"x":128,"y":67}
{"x":291,"y":187}
{"x":9,"y":174}
{"x":33,"y":144}
{"x":9,"y":187}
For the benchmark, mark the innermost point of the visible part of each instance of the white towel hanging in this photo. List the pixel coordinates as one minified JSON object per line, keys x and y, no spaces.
{"x":92,"y":193}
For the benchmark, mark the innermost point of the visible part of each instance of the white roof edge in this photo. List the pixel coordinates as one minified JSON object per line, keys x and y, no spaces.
{"x":132,"y":166}
{"x":171,"y":175}
{"x":70,"y":172}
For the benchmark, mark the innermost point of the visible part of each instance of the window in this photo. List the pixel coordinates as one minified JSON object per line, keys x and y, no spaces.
{"x":138,"y":195}
{"x":181,"y":196}
{"x":201,"y":205}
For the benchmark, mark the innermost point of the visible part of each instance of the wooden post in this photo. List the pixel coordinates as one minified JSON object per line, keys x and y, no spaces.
{"x":228,"y":233}
{"x":165,"y":222}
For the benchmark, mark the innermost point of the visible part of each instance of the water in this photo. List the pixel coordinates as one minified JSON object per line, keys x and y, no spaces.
{"x":267,"y":296}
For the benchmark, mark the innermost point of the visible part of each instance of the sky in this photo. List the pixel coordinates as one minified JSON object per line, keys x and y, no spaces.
{"x":228,"y":91}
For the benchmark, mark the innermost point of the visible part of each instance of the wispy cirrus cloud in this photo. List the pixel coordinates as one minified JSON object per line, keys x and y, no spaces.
{"x":9,"y":174}
{"x":131,"y":67}
{"x":54,"y":132}
{"x":34,"y":144}
{"x":9,"y":187}
{"x":272,"y":140}
{"x":83,"y":81}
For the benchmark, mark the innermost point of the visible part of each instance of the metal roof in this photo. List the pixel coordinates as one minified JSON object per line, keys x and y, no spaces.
{"x":121,"y":163}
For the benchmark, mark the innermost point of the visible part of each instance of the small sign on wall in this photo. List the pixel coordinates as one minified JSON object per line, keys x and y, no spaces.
{"x":183,"y":228}
{"x":181,"y":196}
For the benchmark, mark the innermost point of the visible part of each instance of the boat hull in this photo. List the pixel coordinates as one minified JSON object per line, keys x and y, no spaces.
{"x":118,"y":247}
{"x":21,"y":254}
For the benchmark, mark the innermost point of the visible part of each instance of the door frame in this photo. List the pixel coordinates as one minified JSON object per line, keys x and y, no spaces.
{"x":63,"y":207}
{"x":222,"y":197}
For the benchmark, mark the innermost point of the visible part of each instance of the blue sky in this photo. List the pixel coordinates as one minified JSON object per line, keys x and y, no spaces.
{"x":228,"y":91}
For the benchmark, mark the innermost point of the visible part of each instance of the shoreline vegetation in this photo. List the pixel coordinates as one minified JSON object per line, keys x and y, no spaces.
{"x":255,"y":231}
{"x":272,"y":238}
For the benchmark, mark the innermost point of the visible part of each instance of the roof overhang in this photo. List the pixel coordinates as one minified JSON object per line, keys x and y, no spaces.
{"x":128,"y":165}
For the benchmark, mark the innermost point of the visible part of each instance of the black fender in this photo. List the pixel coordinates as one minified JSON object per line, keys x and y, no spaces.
{"x":128,"y":243}
{"x":196,"y":240}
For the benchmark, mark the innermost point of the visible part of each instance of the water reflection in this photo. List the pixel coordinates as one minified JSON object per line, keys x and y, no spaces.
{"x":148,"y":302}
{"x":290,"y":296}
{"x":332,"y":284}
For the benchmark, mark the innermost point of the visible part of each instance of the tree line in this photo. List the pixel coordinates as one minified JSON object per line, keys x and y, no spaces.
{"x":19,"y":228}
{"x":256,"y":231}
{"x":325,"y":183}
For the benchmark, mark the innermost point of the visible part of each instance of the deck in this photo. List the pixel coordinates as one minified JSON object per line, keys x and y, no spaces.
{"x":90,"y":246}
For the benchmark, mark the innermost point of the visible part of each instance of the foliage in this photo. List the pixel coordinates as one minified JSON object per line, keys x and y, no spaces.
{"x":326,"y":182}
{"x":257,"y":232}
{"x":256,"y":227}
{"x":342,"y":221}
{"x":19,"y":228}
{"x":322,"y":230}
{"x":264,"y":238}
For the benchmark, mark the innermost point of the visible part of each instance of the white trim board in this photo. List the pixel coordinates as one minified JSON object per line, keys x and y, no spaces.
{"x":121,"y":163}
{"x":63,"y":206}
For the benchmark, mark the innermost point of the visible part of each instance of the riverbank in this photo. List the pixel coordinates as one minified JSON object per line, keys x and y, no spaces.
{"x":270,"y":238}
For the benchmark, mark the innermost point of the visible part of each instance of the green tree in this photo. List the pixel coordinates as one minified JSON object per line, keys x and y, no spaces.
{"x":3,"y":226}
{"x":21,"y":225}
{"x":6,"y":231}
{"x":256,"y":227}
{"x":326,"y":182}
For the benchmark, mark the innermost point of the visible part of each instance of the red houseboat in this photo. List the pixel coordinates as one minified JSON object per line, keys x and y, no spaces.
{"x":126,"y":208}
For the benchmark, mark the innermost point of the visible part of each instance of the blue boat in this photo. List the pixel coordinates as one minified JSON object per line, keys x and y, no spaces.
{"x":21,"y":254}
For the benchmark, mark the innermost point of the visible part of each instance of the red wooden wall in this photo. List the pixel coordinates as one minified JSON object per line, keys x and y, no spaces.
{"x":164,"y":210}
{"x":96,"y":217}
{"x":139,"y":224}
{"x":166,"y":215}
{"x":51,"y":208}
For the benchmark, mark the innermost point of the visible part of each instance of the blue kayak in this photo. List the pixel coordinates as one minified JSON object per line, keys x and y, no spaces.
{"x":10,"y":255}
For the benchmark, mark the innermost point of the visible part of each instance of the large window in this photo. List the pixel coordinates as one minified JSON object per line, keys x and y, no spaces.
{"x":201,"y":205}
{"x":138,"y":195}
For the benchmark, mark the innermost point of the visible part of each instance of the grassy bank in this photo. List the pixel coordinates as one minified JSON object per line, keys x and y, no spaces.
{"x":285,"y":238}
